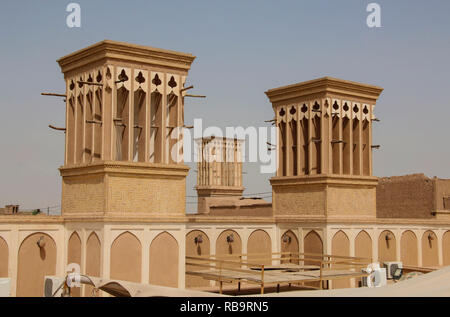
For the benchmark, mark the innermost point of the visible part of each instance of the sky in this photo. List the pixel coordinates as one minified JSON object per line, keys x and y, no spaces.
{"x":243,"y":48}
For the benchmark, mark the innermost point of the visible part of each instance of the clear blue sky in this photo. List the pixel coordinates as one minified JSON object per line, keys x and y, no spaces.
{"x":243,"y":48}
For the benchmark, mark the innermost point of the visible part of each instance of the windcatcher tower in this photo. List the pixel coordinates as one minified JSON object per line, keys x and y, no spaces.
{"x":219,"y":177}
{"x":324,"y":150}
{"x":124,"y":114}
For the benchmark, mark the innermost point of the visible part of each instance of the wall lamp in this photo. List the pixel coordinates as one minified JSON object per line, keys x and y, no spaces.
{"x":287,"y":239}
{"x":430,"y":237}
{"x":198,"y":239}
{"x":230,"y":238}
{"x":41,"y":242}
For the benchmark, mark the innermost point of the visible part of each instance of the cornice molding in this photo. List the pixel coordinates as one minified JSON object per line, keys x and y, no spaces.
{"x":347,"y":180}
{"x":118,"y":167}
{"x":108,"y":50}
{"x":324,"y":85}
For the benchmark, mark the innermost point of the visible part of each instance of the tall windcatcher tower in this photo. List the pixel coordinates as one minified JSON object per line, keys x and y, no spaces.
{"x":124,"y":119}
{"x":324,"y":149}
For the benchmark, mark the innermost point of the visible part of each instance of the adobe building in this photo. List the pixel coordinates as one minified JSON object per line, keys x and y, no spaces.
{"x":123,"y":192}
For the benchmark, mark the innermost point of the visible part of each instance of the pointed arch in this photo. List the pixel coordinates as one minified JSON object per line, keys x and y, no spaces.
{"x":74,"y":256}
{"x":93,"y":259}
{"x":4,"y":258}
{"x":313,"y":243}
{"x":387,"y":246}
{"x":446,"y":248}
{"x":408,"y":248}
{"x":126,"y":258}
{"x":363,"y":245}
{"x":197,"y":244}
{"x":430,"y":253}
{"x":289,"y":243}
{"x":259,"y":242}
{"x":340,"y":246}
{"x":35,"y":261}
{"x":224,"y":247}
{"x":163,"y":265}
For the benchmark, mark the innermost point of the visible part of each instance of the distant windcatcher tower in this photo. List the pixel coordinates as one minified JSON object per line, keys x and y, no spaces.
{"x":324,"y":149}
{"x":219,"y":174}
{"x":124,"y":114}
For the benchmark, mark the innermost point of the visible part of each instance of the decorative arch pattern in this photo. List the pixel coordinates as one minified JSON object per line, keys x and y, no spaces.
{"x":313,"y":243}
{"x":430,"y":253}
{"x":259,"y":242}
{"x":37,"y":258}
{"x":4,"y":258}
{"x":74,"y":256}
{"x":408,"y":248}
{"x":446,"y":248}
{"x":387,"y":246}
{"x":93,"y":260}
{"x":289,"y":243}
{"x":197,"y":244}
{"x":340,"y":246}
{"x":363,"y":245}
{"x":164,"y":260}
{"x":228,"y":243}
{"x":126,"y":258}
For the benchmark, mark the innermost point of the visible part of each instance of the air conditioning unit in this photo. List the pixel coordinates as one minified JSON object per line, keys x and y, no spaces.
{"x":391,"y":267}
{"x":377,"y":278}
{"x":5,"y":287}
{"x":51,"y":284}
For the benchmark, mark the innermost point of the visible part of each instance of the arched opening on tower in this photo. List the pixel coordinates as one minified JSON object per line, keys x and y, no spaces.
{"x":70,"y":131}
{"x":293,"y":145}
{"x":155,"y":127}
{"x":98,"y":117}
{"x":79,"y":128}
{"x":304,"y":143}
{"x":172,"y":130}
{"x":139,"y":126}
{"x":336,"y":146}
{"x":356,"y":143}
{"x":121,"y":124}
{"x":89,"y":128}
{"x":347,"y":146}
{"x":366,"y":148}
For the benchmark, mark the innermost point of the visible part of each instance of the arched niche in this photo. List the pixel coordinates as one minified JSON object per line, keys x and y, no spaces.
{"x":74,"y":256}
{"x":313,"y":244}
{"x":289,"y":244}
{"x":408,"y":249}
{"x":446,"y":248}
{"x":36,"y":259}
{"x":4,"y":258}
{"x":197,"y":244}
{"x":164,"y":260}
{"x":387,"y":247}
{"x":259,"y":247}
{"x":363,"y":245}
{"x":229,"y":243}
{"x":93,"y":260}
{"x":340,"y":246}
{"x":126,"y":258}
{"x":430,"y":253}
